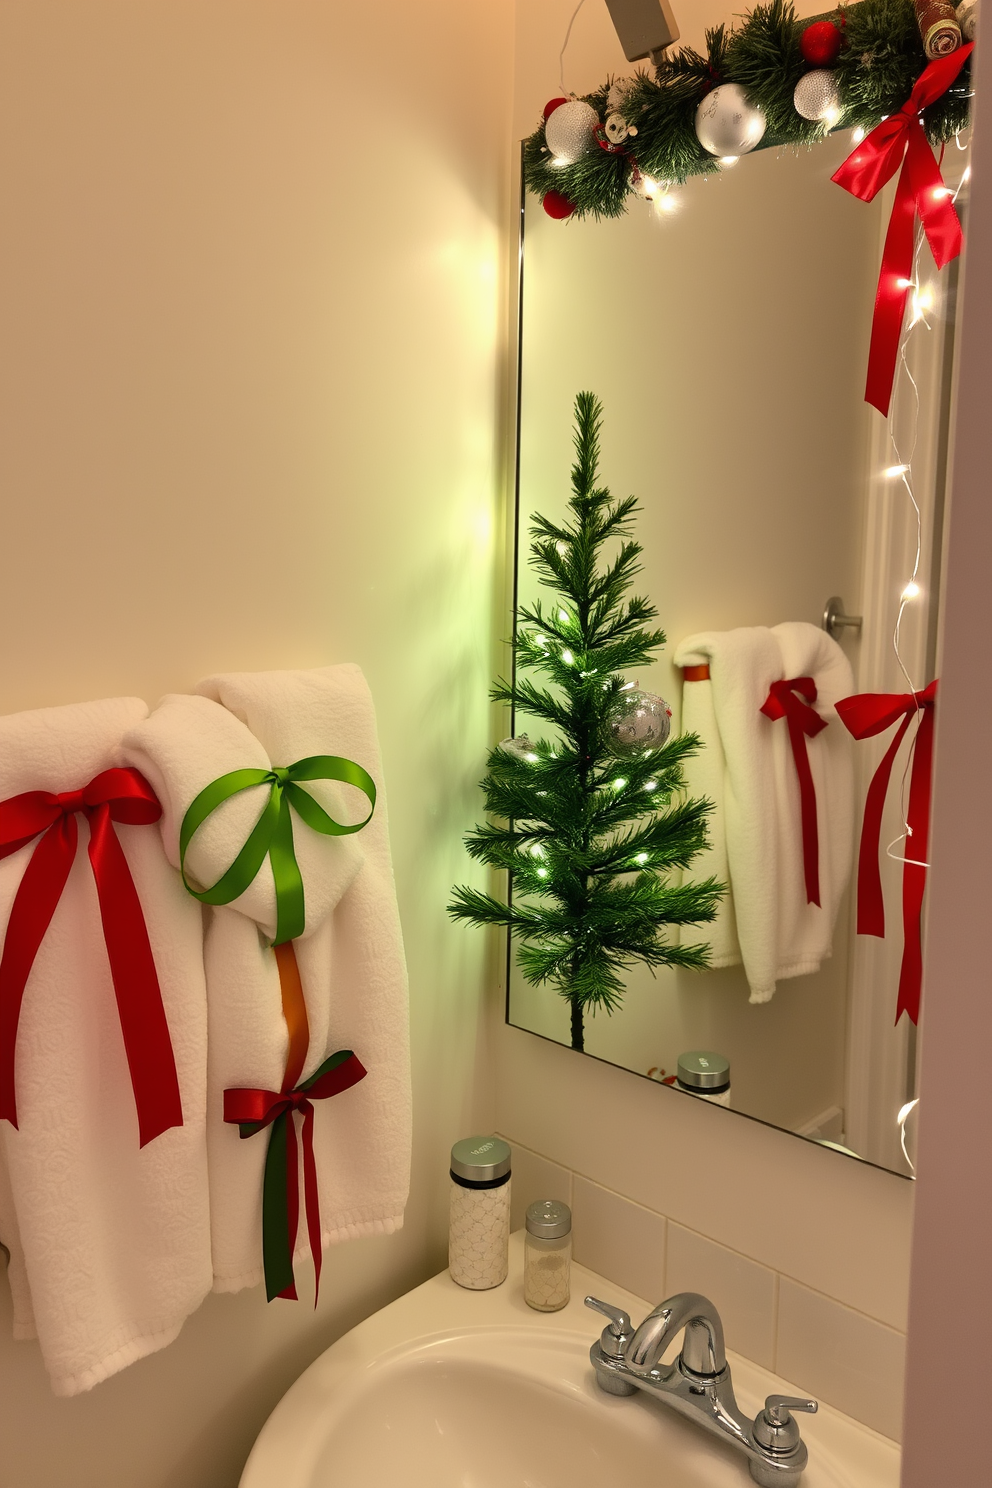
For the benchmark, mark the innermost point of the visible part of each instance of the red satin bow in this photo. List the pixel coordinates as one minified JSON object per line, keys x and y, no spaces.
{"x":254,"y":1109}
{"x":864,"y":716}
{"x":782,"y":702}
{"x":921,"y":189}
{"x":112,"y":796}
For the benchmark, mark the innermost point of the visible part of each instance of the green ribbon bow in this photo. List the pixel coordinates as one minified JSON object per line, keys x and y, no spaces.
{"x":272,"y":834}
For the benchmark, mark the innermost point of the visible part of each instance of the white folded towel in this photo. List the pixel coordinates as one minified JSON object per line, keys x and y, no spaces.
{"x":109,"y":1242}
{"x":350,"y":956}
{"x":778,"y":933}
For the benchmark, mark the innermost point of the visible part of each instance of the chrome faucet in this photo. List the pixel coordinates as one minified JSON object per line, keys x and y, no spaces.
{"x":698,"y":1383}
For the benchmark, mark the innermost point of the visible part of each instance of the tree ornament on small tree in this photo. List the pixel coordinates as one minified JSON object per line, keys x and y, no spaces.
{"x":591,"y":853}
{"x":726,"y":123}
{"x":816,"y":96}
{"x":820,"y":43}
{"x":640,"y":721}
{"x":568,"y":131}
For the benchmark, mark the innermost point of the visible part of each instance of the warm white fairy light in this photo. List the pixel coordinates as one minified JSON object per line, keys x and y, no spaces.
{"x":641,"y":858}
{"x":567,"y":657}
{"x":542,"y":872}
{"x":667,"y":203}
{"x":537,"y":851}
{"x":619,"y":783}
{"x":894,"y":471}
{"x":911,"y":591}
{"x":651,"y":785}
{"x":921,"y":304}
{"x":564,"y":617}
{"x":857,"y":135}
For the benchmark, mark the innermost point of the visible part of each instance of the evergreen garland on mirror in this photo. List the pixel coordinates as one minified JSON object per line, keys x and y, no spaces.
{"x":592,"y":827}
{"x":645,"y":136}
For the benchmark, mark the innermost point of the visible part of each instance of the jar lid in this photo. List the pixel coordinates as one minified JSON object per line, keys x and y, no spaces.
{"x":480,"y":1159}
{"x":701,"y":1069}
{"x":548,"y":1219}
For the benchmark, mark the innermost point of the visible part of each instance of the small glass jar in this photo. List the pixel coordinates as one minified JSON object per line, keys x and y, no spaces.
{"x":706,"y":1074}
{"x":479,"y":1213}
{"x":547,"y":1255}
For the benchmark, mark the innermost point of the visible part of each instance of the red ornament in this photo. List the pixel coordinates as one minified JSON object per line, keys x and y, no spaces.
{"x":820,"y":44}
{"x":551,"y":105}
{"x":557,"y":205}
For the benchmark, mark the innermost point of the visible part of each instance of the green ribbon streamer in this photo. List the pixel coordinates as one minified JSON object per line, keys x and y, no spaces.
{"x":277,"y":1248}
{"x":272,"y":834}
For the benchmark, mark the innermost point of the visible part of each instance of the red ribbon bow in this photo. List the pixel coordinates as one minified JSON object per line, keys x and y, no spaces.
{"x":921,"y":189}
{"x":782,"y":702}
{"x":864,"y":716}
{"x":112,"y":796}
{"x":253,"y":1110}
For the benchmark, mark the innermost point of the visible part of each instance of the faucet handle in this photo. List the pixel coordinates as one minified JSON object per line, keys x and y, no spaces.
{"x":774,"y":1427}
{"x":618,"y":1332}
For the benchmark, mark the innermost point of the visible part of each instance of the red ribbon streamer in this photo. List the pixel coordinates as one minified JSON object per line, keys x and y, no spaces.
{"x":864,"y":716}
{"x":782,"y":702}
{"x":259,"y":1108}
{"x":921,"y":189}
{"x":112,"y":796}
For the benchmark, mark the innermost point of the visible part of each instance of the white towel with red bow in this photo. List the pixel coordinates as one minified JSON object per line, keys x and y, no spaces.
{"x":109,"y":1241}
{"x":748,"y":770}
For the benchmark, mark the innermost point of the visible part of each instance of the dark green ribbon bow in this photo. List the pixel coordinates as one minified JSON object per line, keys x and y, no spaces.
{"x":272,"y":834}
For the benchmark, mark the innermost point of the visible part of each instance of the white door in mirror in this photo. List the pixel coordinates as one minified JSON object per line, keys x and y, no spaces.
{"x":446,"y":1388}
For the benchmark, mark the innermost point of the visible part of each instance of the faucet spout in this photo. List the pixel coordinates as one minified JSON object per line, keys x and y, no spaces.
{"x":703,"y":1350}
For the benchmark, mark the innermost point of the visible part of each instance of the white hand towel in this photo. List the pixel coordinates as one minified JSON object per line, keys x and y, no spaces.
{"x":779,"y":934}
{"x":110,"y":1243}
{"x":350,"y":957}
{"x":706,"y":777}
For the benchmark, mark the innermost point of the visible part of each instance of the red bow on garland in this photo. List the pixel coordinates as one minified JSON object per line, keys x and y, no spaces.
{"x":865,"y":716}
{"x":782,"y":702}
{"x":112,"y":796}
{"x":252,"y":1110}
{"x":921,"y":189}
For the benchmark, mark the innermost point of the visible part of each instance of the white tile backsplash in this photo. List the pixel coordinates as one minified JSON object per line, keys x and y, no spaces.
{"x":842,"y":1356}
{"x":744,"y":1292}
{"x":619,"y":1239}
{"x":534,"y":1177}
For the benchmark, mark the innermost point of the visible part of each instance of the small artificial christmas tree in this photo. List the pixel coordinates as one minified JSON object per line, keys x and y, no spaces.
{"x":590,"y":841}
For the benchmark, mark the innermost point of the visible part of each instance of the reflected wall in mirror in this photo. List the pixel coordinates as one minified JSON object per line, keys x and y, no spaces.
{"x":727,"y":340}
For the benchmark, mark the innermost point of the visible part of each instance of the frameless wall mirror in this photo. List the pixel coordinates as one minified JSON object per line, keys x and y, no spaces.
{"x":726,"y":335}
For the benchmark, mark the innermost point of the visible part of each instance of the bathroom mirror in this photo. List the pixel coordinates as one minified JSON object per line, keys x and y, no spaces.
{"x":726,"y":333}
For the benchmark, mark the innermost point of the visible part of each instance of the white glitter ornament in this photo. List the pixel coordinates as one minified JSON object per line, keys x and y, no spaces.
{"x":568,"y":132}
{"x":967,"y":18}
{"x":640,"y":721}
{"x":726,"y":124}
{"x":520,"y":747}
{"x":816,"y":96}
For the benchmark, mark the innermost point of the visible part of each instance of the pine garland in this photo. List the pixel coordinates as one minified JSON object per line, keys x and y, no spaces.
{"x":591,"y":842}
{"x":881,"y":59}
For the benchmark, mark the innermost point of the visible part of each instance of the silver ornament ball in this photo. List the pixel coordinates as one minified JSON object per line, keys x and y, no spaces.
{"x":640,"y":721}
{"x":816,"y":95}
{"x":520,"y":747}
{"x":967,"y":18}
{"x":726,"y":124}
{"x":568,"y":131}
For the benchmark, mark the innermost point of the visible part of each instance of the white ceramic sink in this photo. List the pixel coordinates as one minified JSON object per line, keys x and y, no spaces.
{"x":446,"y":1388}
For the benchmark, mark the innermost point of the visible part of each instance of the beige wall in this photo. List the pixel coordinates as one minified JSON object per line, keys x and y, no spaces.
{"x":251,"y":342}
{"x":807,"y":1251}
